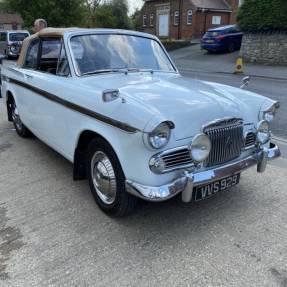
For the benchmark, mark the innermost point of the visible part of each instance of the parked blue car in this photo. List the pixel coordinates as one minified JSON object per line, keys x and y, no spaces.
{"x":226,"y":38}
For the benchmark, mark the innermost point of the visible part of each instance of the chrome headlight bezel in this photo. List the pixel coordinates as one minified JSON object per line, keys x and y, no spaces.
{"x":263,"y":132}
{"x":200,"y":148}
{"x":268,"y":113}
{"x":160,"y":136}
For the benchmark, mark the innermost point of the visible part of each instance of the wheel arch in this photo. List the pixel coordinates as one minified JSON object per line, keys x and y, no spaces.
{"x":84,"y":139}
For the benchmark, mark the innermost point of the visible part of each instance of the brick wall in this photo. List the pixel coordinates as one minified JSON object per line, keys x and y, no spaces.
{"x":234,"y":5}
{"x":204,"y":21}
{"x":200,"y":20}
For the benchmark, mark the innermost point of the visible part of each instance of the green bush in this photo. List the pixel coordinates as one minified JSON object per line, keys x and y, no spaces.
{"x":263,"y":15}
{"x":174,"y":45}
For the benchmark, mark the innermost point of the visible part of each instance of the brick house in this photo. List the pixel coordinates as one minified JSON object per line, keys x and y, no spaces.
{"x":184,"y":19}
{"x":10,"y":21}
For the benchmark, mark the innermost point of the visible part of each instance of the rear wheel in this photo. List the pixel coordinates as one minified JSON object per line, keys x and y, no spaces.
{"x":19,"y":126}
{"x":231,"y":47}
{"x":107,"y":180}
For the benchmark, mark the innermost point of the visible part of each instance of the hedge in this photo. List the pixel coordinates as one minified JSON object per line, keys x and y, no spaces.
{"x":262,"y":15}
{"x":174,"y":45}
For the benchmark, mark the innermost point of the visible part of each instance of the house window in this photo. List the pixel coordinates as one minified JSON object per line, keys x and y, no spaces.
{"x":240,"y":2}
{"x":176,"y":18}
{"x":216,"y":20}
{"x":189,"y":17}
{"x":151,"y":20}
{"x":144,"y":21}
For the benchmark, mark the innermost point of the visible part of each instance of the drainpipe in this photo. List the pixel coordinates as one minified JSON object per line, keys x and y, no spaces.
{"x":179,"y":21}
{"x":205,"y":16}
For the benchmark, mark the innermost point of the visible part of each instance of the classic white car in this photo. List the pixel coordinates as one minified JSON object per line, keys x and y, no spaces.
{"x":113,"y":103}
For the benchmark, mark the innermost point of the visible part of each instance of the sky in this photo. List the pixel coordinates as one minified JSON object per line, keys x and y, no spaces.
{"x":135,"y":4}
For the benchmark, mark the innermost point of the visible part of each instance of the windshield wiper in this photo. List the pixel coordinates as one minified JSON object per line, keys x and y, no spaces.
{"x":105,"y":71}
{"x":140,"y":70}
{"x":120,"y":70}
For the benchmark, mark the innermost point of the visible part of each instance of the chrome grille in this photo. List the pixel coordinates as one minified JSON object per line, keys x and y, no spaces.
{"x":226,"y":141}
{"x":179,"y":157}
{"x":250,"y":139}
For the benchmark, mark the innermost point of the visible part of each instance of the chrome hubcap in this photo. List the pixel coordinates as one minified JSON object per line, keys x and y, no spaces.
{"x":16,"y":117}
{"x":104,"y":178}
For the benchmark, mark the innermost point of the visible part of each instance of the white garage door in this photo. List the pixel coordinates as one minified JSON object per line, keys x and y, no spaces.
{"x":163,"y":24}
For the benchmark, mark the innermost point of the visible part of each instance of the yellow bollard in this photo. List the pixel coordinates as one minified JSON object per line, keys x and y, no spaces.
{"x":239,"y":66}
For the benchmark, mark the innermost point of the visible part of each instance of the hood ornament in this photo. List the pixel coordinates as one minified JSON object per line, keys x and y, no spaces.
{"x":245,"y":82}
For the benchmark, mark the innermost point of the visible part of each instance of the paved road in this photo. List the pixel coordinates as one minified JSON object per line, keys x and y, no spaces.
{"x":194,"y":63}
{"x":272,"y":88}
{"x":52,"y":233}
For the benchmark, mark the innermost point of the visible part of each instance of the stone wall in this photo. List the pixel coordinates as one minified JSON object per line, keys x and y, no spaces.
{"x":268,"y":48}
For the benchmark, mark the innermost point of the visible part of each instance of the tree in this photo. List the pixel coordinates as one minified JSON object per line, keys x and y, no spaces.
{"x":113,"y":14}
{"x":58,"y":13}
{"x":91,"y":6}
{"x":136,"y":20}
{"x":105,"y":17}
{"x":120,"y":10}
{"x":262,"y":15}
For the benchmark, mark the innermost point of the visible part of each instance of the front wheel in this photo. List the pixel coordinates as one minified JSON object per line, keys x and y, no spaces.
{"x":21,"y":129}
{"x":107,"y":180}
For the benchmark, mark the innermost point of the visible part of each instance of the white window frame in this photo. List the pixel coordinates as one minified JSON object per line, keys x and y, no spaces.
{"x":176,"y":18}
{"x":216,"y":20}
{"x":189,"y":14}
{"x":144,"y":20}
{"x":151,"y":20}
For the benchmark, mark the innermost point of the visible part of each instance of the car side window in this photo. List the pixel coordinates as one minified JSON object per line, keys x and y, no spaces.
{"x":31,"y":60}
{"x":50,"y":53}
{"x":63,"y":64}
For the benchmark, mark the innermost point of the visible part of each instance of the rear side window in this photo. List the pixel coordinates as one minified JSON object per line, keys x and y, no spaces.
{"x":50,"y":54}
{"x":15,"y":37}
{"x":213,"y":33}
{"x":32,"y":55}
{"x":234,"y":30}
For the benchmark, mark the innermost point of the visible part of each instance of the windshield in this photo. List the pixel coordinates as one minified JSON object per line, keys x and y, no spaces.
{"x":109,"y":53}
{"x":18,"y":36}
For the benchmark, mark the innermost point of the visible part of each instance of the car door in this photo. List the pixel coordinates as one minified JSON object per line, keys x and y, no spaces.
{"x":24,"y":95}
{"x":48,"y":82}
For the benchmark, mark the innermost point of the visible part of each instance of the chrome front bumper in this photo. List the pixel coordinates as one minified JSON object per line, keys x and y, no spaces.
{"x":188,"y":181}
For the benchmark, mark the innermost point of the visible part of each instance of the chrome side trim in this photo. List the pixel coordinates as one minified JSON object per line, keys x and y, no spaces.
{"x":188,"y":181}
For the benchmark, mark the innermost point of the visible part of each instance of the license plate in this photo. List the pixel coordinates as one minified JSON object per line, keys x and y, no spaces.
{"x":209,"y":41}
{"x":206,"y":191}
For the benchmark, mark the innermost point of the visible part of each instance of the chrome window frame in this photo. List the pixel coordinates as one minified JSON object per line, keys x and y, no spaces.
{"x":73,"y":61}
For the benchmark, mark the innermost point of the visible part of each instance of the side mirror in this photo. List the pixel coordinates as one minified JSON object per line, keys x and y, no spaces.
{"x":112,"y":95}
{"x":245,"y":82}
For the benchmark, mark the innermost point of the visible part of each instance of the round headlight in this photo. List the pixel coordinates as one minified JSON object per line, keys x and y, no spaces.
{"x":263,"y":132}
{"x":160,"y":136}
{"x":200,"y":147}
{"x":269,"y":113}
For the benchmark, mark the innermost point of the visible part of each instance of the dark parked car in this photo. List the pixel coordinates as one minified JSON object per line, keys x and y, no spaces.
{"x":226,"y":38}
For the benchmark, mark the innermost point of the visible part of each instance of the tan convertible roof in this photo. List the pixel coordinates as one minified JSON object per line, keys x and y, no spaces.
{"x":48,"y":32}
